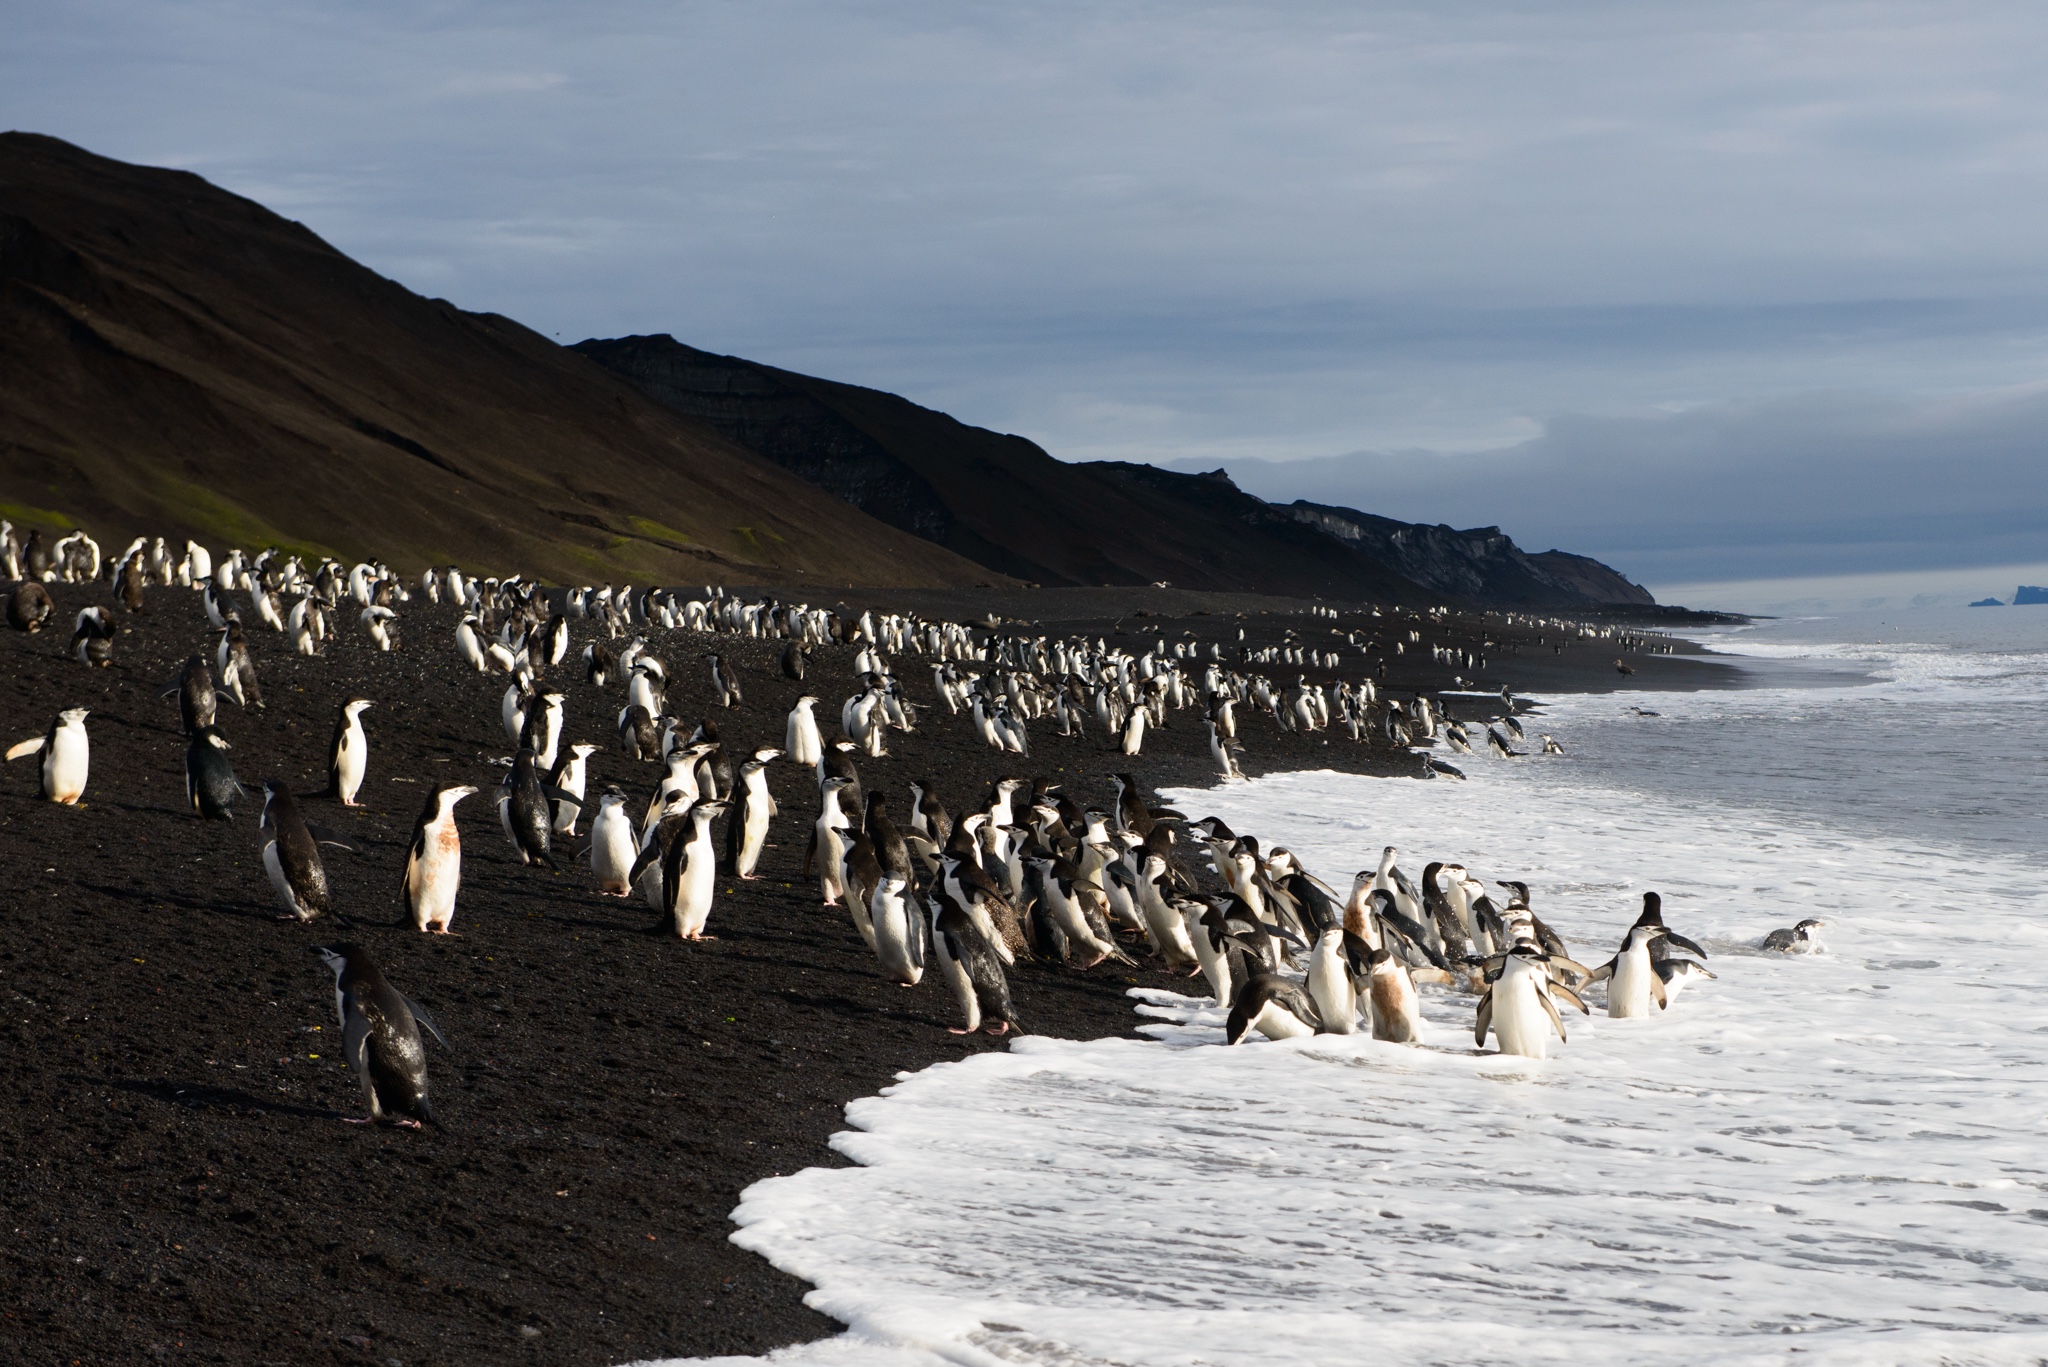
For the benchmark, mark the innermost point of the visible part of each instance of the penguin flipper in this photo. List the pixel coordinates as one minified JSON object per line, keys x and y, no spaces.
{"x":1484,"y":1022}
{"x":1657,"y":991}
{"x":1571,"y":965}
{"x":1570,"y":996}
{"x":426,"y":1022}
{"x":1688,"y":946}
{"x":27,"y":747}
{"x":326,"y":837}
{"x":1555,"y":1019}
{"x":1600,"y":974}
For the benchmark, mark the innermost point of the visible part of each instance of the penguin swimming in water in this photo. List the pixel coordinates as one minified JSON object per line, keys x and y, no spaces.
{"x":433,"y":862}
{"x":1676,"y":973}
{"x":1272,"y":1005}
{"x":291,"y":854}
{"x":210,"y":784}
{"x":348,"y":754}
{"x":746,"y":831}
{"x":973,"y":968}
{"x":66,"y":753}
{"x":612,"y":848}
{"x":1799,"y":939}
{"x":380,"y":1038}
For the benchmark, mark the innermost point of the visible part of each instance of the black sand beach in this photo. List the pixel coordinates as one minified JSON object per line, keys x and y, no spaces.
{"x":178,"y":1182}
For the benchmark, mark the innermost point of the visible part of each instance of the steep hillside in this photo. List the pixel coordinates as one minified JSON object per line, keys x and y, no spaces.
{"x":175,"y":358}
{"x":1004,"y":502}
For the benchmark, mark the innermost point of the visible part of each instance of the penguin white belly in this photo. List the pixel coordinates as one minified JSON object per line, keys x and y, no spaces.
{"x":1277,"y":1022}
{"x":696,"y":886}
{"x":754,"y":835}
{"x":1329,"y":984}
{"x":568,"y":813}
{"x":1215,"y":967}
{"x":275,"y":868}
{"x":1628,"y":992}
{"x":612,"y":853}
{"x":64,"y":768}
{"x":890,"y":915}
{"x":350,"y":764}
{"x":1396,"y":1015}
{"x":1167,"y":933}
{"x":956,"y":976}
{"x":1520,"y":1023}
{"x":436,"y":879}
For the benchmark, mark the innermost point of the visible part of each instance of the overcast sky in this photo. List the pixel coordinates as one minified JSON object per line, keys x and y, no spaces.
{"x":1713,"y":291}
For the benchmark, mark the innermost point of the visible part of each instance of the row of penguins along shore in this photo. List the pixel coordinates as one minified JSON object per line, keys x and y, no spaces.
{"x":1027,"y":873}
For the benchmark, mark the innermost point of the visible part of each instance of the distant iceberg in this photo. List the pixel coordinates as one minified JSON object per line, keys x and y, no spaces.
{"x":1987,"y":603}
{"x":2029,"y":593}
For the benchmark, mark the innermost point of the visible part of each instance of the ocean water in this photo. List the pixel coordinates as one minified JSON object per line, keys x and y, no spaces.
{"x":1836,"y":1157}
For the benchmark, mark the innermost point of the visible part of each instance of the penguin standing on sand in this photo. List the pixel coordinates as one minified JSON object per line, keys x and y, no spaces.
{"x":689,"y":873}
{"x":523,"y":810}
{"x":433,"y":863}
{"x":969,"y":963}
{"x":237,"y":670}
{"x":570,"y":777}
{"x":66,"y":756}
{"x":746,"y":832}
{"x":380,"y":1038}
{"x":291,"y":854}
{"x":93,"y":640}
{"x":800,"y":736}
{"x":725,"y":681}
{"x":210,"y":784}
{"x":194,"y":690}
{"x":612,"y":849}
{"x":29,"y":607}
{"x":348,"y":755}
{"x":899,"y":934}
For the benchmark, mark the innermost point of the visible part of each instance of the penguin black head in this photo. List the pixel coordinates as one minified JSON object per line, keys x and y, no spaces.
{"x":1653,"y":910}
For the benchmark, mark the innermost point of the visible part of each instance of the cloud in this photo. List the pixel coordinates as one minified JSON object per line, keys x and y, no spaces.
{"x":1206,"y":232}
{"x":1809,"y":484}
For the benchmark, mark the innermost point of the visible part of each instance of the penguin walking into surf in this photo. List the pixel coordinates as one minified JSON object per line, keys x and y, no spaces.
{"x":433,"y":862}
{"x":1276,"y":1007}
{"x":1633,"y":982}
{"x":210,"y":783}
{"x":1391,"y":1004}
{"x":380,"y":1039}
{"x":67,"y":756}
{"x":972,"y":968}
{"x":1518,"y":1009}
{"x":523,"y":811}
{"x":291,"y":854}
{"x":746,"y":830}
{"x":348,"y":754}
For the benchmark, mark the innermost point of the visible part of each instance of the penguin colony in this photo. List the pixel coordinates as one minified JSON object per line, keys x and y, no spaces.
{"x":1028,"y":872}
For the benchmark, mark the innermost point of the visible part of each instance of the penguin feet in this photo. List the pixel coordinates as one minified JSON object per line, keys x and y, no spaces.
{"x":359,"y":1120}
{"x":951,"y":1031}
{"x":696,"y":938}
{"x":999,"y":1029}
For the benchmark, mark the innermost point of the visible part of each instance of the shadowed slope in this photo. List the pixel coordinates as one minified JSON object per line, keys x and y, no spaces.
{"x":174,"y":357}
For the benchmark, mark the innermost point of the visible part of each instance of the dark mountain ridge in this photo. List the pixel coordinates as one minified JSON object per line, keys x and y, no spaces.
{"x":1004,"y":502}
{"x":175,"y":359}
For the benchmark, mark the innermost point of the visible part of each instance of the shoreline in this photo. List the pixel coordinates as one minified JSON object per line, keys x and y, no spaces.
{"x":175,"y":1164}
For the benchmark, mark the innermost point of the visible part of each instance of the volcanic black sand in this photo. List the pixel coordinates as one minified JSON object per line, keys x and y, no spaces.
{"x":179,"y":1184}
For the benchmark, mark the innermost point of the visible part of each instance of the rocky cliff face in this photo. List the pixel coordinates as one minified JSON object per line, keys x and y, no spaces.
{"x":1482,"y":564}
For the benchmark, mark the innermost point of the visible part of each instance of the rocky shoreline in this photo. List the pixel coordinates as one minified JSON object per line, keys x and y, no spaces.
{"x":178,"y":1183}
